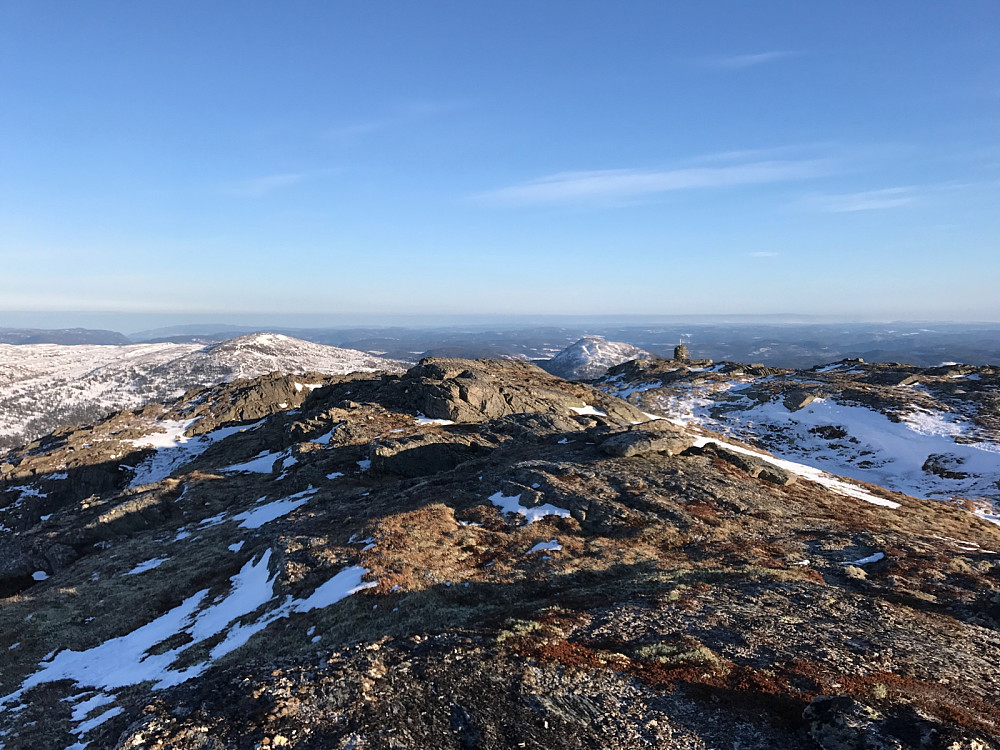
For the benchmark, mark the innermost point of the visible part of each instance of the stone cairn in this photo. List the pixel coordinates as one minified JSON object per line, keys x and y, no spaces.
{"x":681,"y":353}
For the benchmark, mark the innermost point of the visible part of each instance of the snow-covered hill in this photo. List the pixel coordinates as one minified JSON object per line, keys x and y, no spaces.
{"x":590,"y":357}
{"x":46,"y":385}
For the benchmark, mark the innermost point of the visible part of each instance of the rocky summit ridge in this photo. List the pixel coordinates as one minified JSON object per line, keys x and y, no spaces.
{"x":482,"y":555}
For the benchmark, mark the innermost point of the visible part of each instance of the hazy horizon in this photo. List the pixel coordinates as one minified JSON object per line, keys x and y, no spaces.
{"x":130,"y":324}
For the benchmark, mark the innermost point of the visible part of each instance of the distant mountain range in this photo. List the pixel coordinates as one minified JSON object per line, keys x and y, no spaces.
{"x":43,"y":386}
{"x":788,"y":344}
{"x":66,"y":336}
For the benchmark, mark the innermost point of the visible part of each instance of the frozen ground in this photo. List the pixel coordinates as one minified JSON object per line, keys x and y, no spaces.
{"x":925,"y":454}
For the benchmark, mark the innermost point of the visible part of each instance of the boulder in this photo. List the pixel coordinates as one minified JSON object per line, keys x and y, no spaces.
{"x":652,"y":437}
{"x":797,"y":398}
{"x":752,"y":465}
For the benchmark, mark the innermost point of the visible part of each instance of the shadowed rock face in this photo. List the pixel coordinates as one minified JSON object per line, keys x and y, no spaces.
{"x":333,"y":568}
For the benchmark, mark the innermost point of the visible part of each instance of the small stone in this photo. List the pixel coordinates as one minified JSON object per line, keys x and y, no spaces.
{"x":853,"y":571}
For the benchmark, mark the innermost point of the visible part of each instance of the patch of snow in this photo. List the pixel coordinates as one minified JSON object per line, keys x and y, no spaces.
{"x":127,"y":660}
{"x":81,"y":710}
{"x":335,"y":475}
{"x":364,"y":464}
{"x":84,"y":727}
{"x":624,"y":391}
{"x":213,"y":520}
{"x":551,"y":545}
{"x":147,"y":565}
{"x":262,"y":463}
{"x":422,"y":420}
{"x":326,"y":437}
{"x":235,"y":547}
{"x":258,"y":516}
{"x":173,"y":450}
{"x":171,"y":433}
{"x":40,"y":575}
{"x":29,"y":491}
{"x":342,"y":585}
{"x":511,"y":504}
{"x":865,"y":560}
{"x":588,"y":409}
{"x":988,"y":515}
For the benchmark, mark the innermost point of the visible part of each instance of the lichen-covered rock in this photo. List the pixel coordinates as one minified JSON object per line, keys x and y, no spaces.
{"x":651,"y":437}
{"x":464,"y":391}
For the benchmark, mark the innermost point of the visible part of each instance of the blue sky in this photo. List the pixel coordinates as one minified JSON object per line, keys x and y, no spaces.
{"x":501,"y":157}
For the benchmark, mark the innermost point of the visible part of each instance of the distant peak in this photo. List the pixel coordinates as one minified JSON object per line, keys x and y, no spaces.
{"x":591,"y":356}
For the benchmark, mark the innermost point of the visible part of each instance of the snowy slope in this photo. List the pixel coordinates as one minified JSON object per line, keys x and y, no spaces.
{"x":45,"y":385}
{"x":590,"y":357}
{"x":922,"y":447}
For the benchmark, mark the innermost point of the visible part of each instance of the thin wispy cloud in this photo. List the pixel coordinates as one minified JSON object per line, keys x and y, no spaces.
{"x":611,"y":185}
{"x":866,"y":200}
{"x":401,"y":115}
{"x":257,"y":187}
{"x":739,"y":62}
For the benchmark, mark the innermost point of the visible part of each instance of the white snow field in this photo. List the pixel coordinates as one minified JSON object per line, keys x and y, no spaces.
{"x":925,"y":454}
